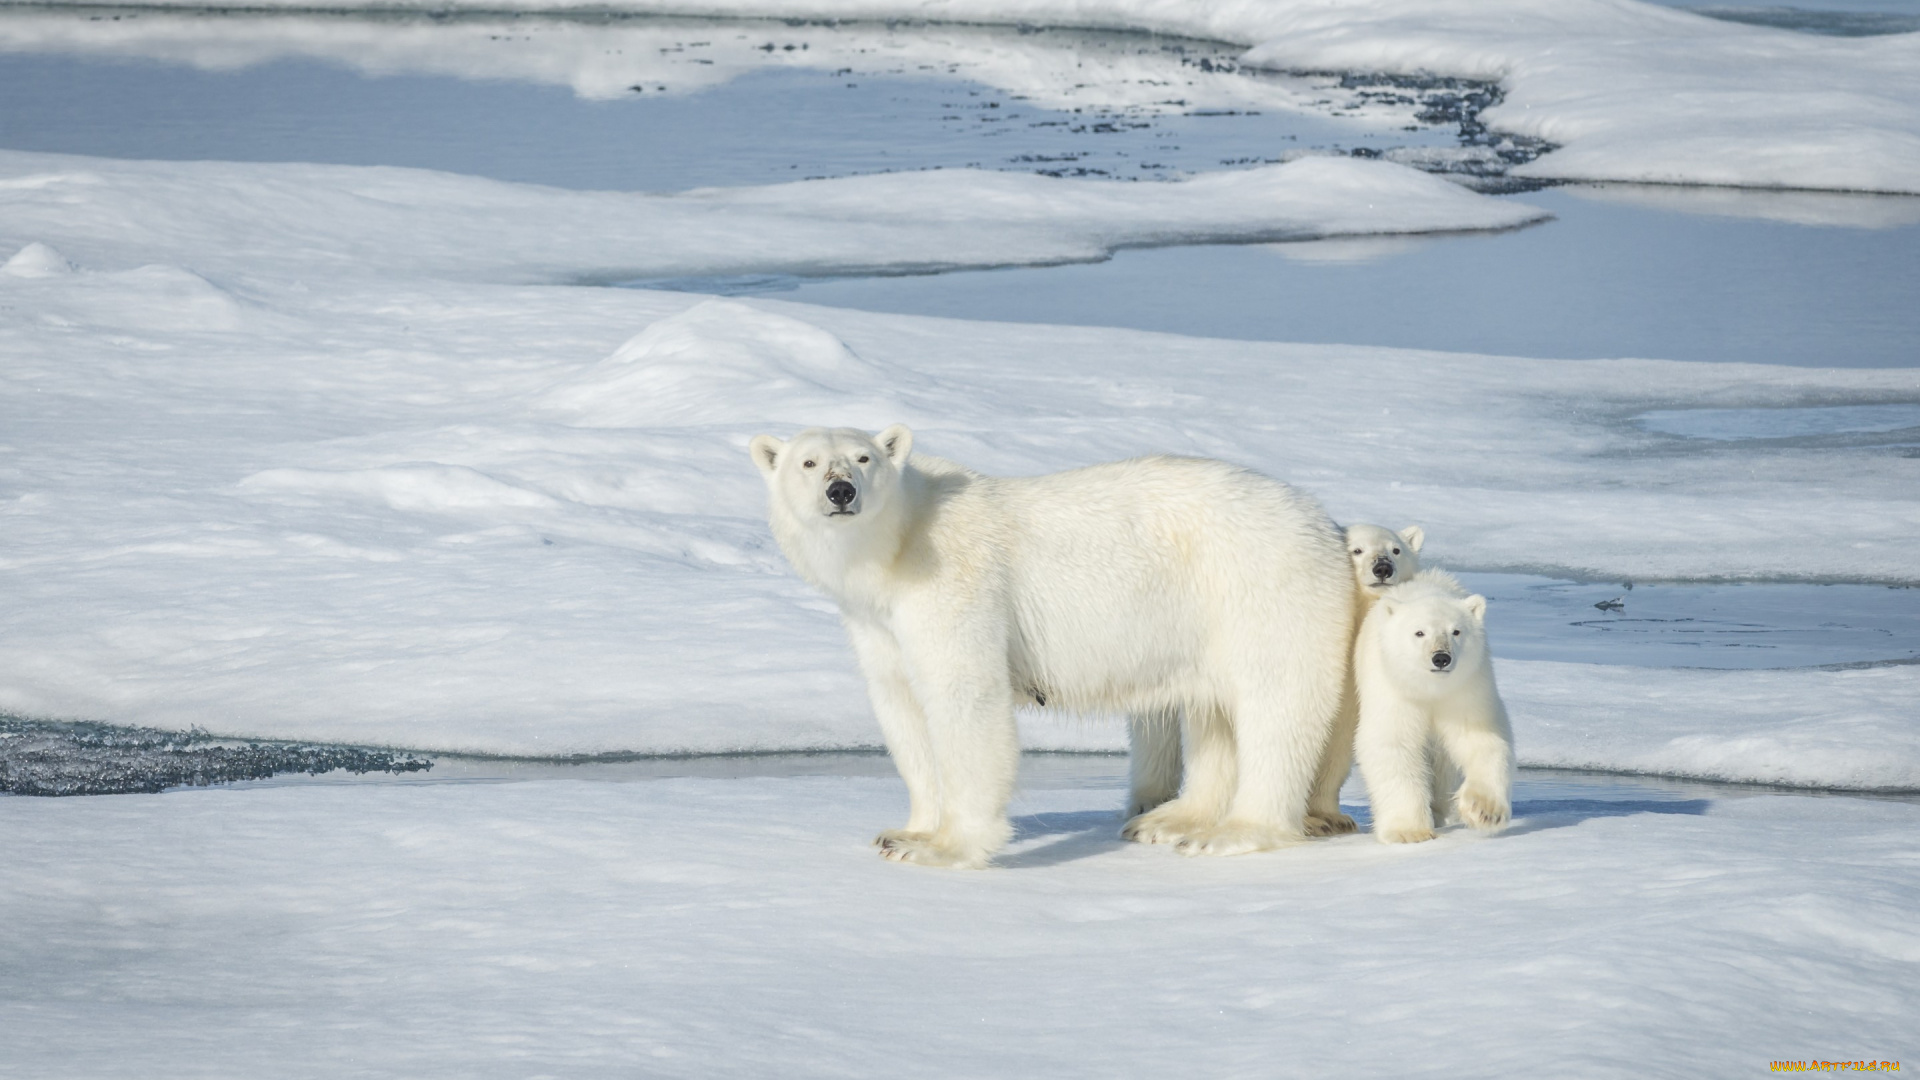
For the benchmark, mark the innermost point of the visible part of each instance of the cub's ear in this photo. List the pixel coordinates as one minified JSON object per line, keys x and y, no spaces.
{"x":1414,"y":535}
{"x":896,"y":442}
{"x":766,"y":451}
{"x":1477,"y":607}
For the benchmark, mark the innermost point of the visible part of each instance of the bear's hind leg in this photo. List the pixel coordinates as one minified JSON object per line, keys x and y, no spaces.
{"x":1207,"y":790}
{"x":1153,"y":760}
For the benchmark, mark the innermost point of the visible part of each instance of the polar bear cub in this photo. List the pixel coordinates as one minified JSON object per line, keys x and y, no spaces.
{"x":1380,"y":558}
{"x":1429,"y":707}
{"x":1176,"y":591}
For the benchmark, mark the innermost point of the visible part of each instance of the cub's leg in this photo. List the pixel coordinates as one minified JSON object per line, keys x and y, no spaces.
{"x":1211,"y":774}
{"x":1477,"y":739}
{"x":1391,"y":744}
{"x":1153,"y":762}
{"x":902,"y":725}
{"x":1324,"y":816}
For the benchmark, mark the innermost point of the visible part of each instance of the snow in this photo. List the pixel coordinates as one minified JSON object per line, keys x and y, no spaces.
{"x":1809,"y":728}
{"x":470,"y":517}
{"x":744,"y":927}
{"x":1629,"y":91}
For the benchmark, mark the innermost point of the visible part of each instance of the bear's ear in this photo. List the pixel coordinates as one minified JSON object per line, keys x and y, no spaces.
{"x":766,"y":452}
{"x":1414,"y":535}
{"x":896,"y":442}
{"x":1477,"y":607}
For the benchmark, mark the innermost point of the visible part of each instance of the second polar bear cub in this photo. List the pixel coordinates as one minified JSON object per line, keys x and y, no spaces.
{"x":1430,"y":712}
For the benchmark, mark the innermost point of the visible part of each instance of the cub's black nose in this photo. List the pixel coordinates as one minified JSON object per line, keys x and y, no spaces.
{"x":840,"y":493}
{"x":1441,"y":660}
{"x":1383,"y":568}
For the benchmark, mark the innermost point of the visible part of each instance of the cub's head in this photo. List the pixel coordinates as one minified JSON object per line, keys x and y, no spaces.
{"x":832,"y":476}
{"x":1430,"y":638}
{"x":1382,"y":557}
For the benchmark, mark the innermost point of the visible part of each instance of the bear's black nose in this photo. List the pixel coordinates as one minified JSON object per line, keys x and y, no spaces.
{"x":840,"y":493}
{"x":1383,"y":568}
{"x":1441,"y":660}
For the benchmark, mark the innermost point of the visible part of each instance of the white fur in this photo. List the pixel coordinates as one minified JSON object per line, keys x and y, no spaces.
{"x":1381,"y":558}
{"x":1419,"y":723}
{"x":1184,"y":593}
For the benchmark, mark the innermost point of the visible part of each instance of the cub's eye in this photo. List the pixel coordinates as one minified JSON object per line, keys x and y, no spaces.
{"x":1396,"y":551}
{"x":1456,"y":633}
{"x":1357,"y":551}
{"x":807,"y":464}
{"x":1419,"y":633}
{"x":864,"y":459}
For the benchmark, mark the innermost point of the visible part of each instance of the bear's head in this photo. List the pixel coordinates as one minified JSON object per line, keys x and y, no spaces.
{"x":832,"y":476}
{"x":1382,"y":557}
{"x":1431,"y":639}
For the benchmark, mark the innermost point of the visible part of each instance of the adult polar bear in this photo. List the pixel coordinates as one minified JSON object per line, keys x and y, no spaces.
{"x":1170,"y":589}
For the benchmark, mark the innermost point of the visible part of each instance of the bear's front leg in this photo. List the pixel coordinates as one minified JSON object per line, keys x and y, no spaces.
{"x":961,"y":682}
{"x":902,"y":725}
{"x":1485,"y":758}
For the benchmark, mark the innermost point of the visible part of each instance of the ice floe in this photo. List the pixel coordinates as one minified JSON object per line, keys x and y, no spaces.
{"x":289,"y":219}
{"x":508,"y":519}
{"x":1628,"y":91}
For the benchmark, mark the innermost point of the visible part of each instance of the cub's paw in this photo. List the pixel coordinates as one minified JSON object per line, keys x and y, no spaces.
{"x":1236,"y":838}
{"x":1168,"y":823}
{"x":922,"y":849}
{"x":1484,"y":810}
{"x":1336,"y":825}
{"x":1403,"y":834}
{"x":888,"y":836}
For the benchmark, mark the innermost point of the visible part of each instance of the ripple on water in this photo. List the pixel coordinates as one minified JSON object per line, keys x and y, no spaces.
{"x":1769,"y":625}
{"x":1783,"y":423}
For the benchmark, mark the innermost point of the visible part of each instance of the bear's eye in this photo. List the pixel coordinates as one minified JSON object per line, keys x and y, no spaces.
{"x":807,"y":464}
{"x":1396,"y":551}
{"x":1359,"y":551}
{"x":1419,"y":633}
{"x":864,"y":459}
{"x":1456,"y":633}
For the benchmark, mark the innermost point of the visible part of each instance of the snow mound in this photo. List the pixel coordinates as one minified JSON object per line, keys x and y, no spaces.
{"x":724,"y":362}
{"x":37,"y":260}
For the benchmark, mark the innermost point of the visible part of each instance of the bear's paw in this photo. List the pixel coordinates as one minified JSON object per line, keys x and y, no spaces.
{"x":1336,"y":825}
{"x":924,"y":850}
{"x":1484,"y":810}
{"x":1236,"y":838}
{"x":1404,"y":834}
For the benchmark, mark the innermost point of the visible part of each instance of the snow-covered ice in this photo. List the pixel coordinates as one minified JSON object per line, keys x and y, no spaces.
{"x":744,"y":927}
{"x":289,"y":219}
{"x":1628,"y":91}
{"x":453,"y":516}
